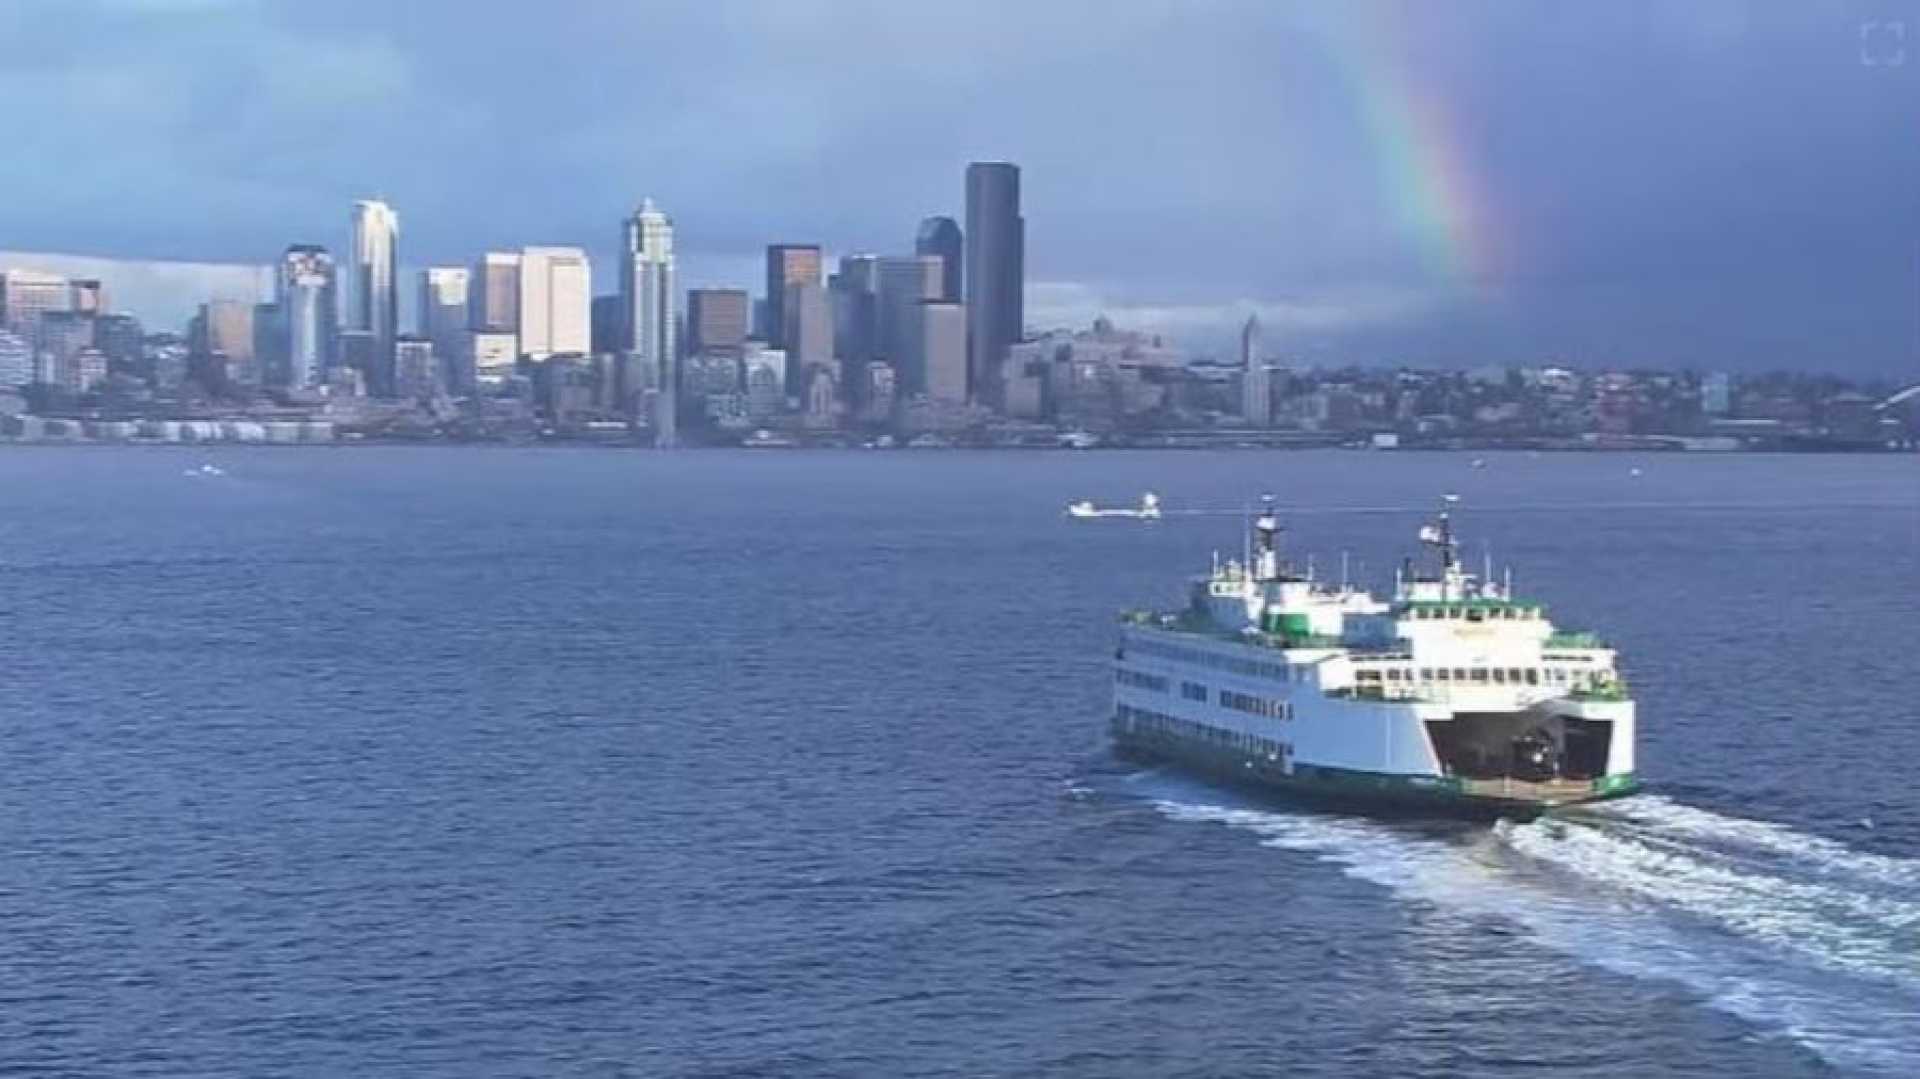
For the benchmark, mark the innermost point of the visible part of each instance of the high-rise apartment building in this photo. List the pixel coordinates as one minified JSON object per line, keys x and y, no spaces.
{"x":717,"y":320}
{"x":87,"y":296}
{"x":305,"y":298}
{"x":995,"y":274}
{"x":556,"y":301}
{"x":373,"y":290}
{"x":940,"y":236}
{"x":787,"y":264}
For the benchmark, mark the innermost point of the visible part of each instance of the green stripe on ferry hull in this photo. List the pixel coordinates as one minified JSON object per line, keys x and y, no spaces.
{"x":1372,"y":791}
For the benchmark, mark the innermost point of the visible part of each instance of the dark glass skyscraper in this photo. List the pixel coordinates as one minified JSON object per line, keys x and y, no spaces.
{"x":995,"y":271}
{"x":787,"y":265}
{"x":940,"y":236}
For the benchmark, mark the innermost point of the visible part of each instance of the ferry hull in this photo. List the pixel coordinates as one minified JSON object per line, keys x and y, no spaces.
{"x":1376,"y":793}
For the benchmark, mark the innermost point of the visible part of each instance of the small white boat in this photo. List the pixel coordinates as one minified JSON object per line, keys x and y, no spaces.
{"x":1147,"y":510}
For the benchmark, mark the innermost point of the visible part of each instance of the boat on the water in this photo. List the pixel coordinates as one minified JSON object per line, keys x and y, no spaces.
{"x":1148,"y":509}
{"x":1454,"y":696}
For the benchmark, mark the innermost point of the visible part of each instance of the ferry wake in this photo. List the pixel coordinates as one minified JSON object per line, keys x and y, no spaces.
{"x":1454,"y":696}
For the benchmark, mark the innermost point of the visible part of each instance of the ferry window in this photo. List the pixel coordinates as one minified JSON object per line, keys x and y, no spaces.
{"x":1426,"y":674}
{"x":1480,"y":675}
{"x":1499,"y":676}
{"x":1443,"y":675}
{"x":1533,"y":676}
{"x":1475,"y":614}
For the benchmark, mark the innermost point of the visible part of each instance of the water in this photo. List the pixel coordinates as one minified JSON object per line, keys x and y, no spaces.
{"x":507,"y":762}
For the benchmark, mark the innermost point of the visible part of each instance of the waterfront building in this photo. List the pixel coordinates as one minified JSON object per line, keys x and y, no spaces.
{"x":26,"y":294}
{"x":649,"y":295}
{"x":16,"y":360}
{"x":877,"y":394}
{"x":1716,"y":394}
{"x":1256,"y":385}
{"x":787,"y":265}
{"x":62,"y":334}
{"x":995,"y":274}
{"x":373,"y":292}
{"x":445,"y":297}
{"x":556,"y":301}
{"x":808,"y":332}
{"x":940,"y":237}
{"x":305,"y":295}
{"x":821,"y":409}
{"x":717,"y":321}
{"x":354,"y":358}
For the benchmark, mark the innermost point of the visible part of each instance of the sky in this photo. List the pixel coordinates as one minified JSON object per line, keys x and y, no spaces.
{"x":1679,"y":183}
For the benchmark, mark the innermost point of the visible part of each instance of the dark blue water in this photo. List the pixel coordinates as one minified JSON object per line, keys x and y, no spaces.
{"x":472,"y":762}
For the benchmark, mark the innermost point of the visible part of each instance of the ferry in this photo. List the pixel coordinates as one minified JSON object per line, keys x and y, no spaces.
{"x":1454,"y":696}
{"x":1147,"y":510}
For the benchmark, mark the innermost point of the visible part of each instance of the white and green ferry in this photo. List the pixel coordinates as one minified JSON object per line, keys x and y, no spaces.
{"x":1456,"y":696}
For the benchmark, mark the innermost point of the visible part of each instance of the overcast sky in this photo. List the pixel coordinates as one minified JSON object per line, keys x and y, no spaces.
{"x":1692,"y":183}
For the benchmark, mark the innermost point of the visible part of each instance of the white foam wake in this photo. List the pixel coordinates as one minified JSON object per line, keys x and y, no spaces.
{"x":1792,"y":932}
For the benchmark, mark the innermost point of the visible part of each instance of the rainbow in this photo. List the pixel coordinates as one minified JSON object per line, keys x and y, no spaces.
{"x":1438,"y":202}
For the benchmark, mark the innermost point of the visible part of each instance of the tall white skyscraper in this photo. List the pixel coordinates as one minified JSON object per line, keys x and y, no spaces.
{"x":373,"y":296}
{"x":304,"y":296}
{"x":647,"y":289}
{"x":556,"y":301}
{"x":649,"y":315}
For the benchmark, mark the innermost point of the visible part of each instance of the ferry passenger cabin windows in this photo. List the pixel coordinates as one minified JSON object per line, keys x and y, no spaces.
{"x":1193,"y":691}
{"x":1138,"y":680}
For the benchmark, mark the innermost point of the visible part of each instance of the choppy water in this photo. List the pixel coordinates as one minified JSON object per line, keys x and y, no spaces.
{"x":390,"y":761}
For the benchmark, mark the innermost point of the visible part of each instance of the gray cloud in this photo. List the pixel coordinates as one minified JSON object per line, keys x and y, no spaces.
{"x":1691,"y":181}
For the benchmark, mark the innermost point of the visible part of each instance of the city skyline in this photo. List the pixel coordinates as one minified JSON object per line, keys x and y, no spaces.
{"x":1715,"y":184}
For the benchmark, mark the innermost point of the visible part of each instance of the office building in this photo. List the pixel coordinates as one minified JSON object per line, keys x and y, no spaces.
{"x":221,"y":340}
{"x":305,"y":293}
{"x":25,"y":294}
{"x":373,"y":289}
{"x":787,"y":265}
{"x":493,"y":293}
{"x":119,"y":337}
{"x":415,"y":370}
{"x":1256,"y":383}
{"x":62,"y":335}
{"x":995,"y":274}
{"x":940,"y":237}
{"x":764,"y":373}
{"x":936,"y":360}
{"x":717,"y":321}
{"x":809,"y":334}
{"x":444,"y":300}
{"x":556,"y":302}
{"x":86,"y":295}
{"x":905,"y":281}
{"x":16,"y":360}
{"x":490,"y":358}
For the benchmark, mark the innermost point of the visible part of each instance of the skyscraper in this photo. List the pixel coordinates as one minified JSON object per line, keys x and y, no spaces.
{"x":809,"y":334}
{"x":940,"y":236}
{"x":1256,"y":392}
{"x":25,"y":294}
{"x":995,"y":273}
{"x":373,"y":293}
{"x":936,"y":363}
{"x":443,"y":306}
{"x":493,"y":293}
{"x":556,"y":301}
{"x":648,"y":283}
{"x":787,"y":264}
{"x":304,"y":296}
{"x":716,"y":321}
{"x":904,"y":282}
